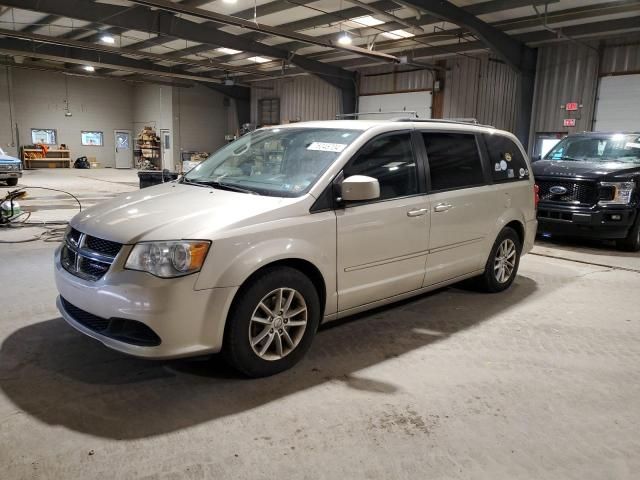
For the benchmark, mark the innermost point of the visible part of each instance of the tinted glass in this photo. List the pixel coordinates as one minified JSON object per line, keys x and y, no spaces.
{"x":454,"y":161}
{"x":390,"y":160}
{"x":617,"y":147}
{"x":506,"y":160}
{"x":283,"y":162}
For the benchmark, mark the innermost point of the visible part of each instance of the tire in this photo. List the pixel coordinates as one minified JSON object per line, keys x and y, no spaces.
{"x":493,"y":279}
{"x":632,"y":242}
{"x":260,"y":340}
{"x":12,"y":182}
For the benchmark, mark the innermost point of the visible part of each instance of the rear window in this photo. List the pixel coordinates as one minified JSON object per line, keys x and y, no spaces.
{"x":506,"y":160}
{"x":454,"y":161}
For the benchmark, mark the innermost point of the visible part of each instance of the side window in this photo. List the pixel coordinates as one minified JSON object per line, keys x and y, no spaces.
{"x":390,"y":159}
{"x":454,"y":161}
{"x":506,"y":160}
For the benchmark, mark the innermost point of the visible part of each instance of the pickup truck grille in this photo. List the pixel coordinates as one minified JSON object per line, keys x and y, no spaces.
{"x":87,"y":257}
{"x":585,"y":193}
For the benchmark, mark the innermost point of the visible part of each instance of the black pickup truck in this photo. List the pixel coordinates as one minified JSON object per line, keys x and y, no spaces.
{"x":589,"y":187}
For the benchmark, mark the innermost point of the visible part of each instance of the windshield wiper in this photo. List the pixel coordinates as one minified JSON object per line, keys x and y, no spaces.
{"x":221,"y":186}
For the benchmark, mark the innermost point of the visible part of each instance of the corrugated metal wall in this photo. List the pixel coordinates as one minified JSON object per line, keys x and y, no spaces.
{"x":621,"y":57}
{"x":483,"y":88}
{"x":390,"y":79}
{"x":301,"y":98}
{"x":566,"y":72}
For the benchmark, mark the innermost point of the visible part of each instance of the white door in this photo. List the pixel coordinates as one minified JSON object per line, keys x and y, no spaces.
{"x":419,"y":102}
{"x":124,"y":149}
{"x":167,"y":152}
{"x":461,"y":217}
{"x":382,"y":245}
{"x":618,"y":104}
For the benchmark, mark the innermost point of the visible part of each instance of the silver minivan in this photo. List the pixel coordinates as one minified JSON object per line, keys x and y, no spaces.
{"x":293,"y":226}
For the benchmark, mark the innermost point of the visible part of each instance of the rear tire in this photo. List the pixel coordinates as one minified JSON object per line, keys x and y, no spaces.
{"x":272,"y":322}
{"x":632,"y":242}
{"x":502,"y":265}
{"x":12,"y":182}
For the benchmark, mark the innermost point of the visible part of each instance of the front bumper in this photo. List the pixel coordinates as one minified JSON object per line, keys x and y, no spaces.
{"x":602,"y":223}
{"x":187,"y":321}
{"x":4,"y":175}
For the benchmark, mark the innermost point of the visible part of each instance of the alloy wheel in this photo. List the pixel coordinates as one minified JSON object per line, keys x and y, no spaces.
{"x":278,"y":324}
{"x":505,"y":261}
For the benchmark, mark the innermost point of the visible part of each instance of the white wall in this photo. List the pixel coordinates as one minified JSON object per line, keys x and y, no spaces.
{"x":95,"y":104}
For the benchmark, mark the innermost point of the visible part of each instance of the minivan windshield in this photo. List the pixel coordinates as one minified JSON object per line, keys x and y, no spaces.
{"x":283,"y":162}
{"x":618,"y":147}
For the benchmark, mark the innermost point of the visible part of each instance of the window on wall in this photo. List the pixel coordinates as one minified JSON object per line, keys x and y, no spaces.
{"x":93,"y":139}
{"x":454,"y":161}
{"x":268,"y":111}
{"x":46,"y":136}
{"x":506,"y":159}
{"x":390,"y":160}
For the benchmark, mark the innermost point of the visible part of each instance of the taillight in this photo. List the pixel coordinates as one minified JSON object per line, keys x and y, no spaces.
{"x":536,"y":195}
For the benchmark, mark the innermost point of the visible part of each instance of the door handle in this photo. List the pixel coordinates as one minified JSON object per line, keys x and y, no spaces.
{"x":417,"y":212}
{"x":442,"y":207}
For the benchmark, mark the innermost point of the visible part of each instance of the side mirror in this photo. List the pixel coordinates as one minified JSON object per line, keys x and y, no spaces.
{"x":360,"y":187}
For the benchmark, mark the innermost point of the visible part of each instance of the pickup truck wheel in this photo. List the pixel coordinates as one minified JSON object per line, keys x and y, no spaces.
{"x":12,"y":182}
{"x":502,"y":265}
{"x":272,"y":322}
{"x":632,"y":242}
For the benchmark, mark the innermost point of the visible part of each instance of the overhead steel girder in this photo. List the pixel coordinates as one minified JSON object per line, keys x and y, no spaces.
{"x":84,"y":57}
{"x":165,"y":23}
{"x":514,"y":53}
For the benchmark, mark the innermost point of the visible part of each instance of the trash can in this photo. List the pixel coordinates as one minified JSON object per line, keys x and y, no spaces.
{"x":148,"y":178}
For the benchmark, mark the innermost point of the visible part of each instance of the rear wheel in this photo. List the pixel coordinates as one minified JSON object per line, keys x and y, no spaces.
{"x":632,"y":242}
{"x":502,"y":265}
{"x":12,"y":182}
{"x":272,"y":323}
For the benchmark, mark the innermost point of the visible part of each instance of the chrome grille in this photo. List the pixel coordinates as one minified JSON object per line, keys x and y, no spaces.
{"x":575,"y":192}
{"x":87,"y":257}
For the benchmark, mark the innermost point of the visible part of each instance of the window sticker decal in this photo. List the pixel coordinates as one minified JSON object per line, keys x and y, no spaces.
{"x":327,"y":147}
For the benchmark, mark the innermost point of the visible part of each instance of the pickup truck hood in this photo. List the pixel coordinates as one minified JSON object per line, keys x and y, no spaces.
{"x":4,"y":159}
{"x":587,"y":170}
{"x":174,"y":211}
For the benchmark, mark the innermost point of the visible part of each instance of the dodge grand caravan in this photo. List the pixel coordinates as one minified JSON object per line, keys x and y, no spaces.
{"x":288,"y":227}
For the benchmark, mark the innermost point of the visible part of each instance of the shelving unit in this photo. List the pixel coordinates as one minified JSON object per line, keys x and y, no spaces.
{"x":54,"y":158}
{"x":147,"y":150}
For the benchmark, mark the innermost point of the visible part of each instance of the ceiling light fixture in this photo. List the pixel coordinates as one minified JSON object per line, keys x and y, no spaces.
{"x":397,"y":34}
{"x":344,"y":39}
{"x":367,"y":21}
{"x":89,"y":68}
{"x":229,"y":1}
{"x":228,"y":51}
{"x":258,"y":59}
{"x":108,"y":39}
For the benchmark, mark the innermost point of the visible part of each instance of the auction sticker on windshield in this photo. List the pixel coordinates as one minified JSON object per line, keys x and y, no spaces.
{"x":327,"y":147}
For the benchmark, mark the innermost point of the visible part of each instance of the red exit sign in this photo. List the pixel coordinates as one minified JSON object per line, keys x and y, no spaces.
{"x":569,"y":122}
{"x":571,"y":106}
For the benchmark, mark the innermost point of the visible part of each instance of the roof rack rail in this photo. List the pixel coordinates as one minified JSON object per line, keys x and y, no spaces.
{"x":399,"y":112}
{"x":463,"y":121}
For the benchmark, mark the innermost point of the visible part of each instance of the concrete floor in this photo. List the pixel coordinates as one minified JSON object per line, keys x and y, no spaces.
{"x":542,"y":381}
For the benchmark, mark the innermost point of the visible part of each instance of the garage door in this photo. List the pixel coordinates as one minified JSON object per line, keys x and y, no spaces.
{"x":419,"y":102}
{"x":618,"y":104}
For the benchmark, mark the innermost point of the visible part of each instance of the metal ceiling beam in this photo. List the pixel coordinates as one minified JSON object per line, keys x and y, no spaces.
{"x":165,"y":23}
{"x":124,"y":51}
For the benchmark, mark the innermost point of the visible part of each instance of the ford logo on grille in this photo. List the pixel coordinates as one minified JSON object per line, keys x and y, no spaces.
{"x":558,"y":190}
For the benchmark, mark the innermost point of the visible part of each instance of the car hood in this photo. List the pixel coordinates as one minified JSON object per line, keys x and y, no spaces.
{"x":8,"y":159}
{"x":174,"y":211}
{"x":573,"y":169}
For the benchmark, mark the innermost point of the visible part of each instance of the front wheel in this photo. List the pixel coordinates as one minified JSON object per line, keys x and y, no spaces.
{"x":632,"y":242}
{"x":272,"y":323}
{"x":502,"y":265}
{"x":12,"y":182}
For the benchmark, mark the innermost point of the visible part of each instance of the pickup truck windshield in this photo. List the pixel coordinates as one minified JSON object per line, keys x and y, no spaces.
{"x":622,"y":148}
{"x":283,"y":162}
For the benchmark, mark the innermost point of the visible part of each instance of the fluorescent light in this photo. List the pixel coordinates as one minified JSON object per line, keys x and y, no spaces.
{"x":228,"y":51}
{"x":229,"y":1}
{"x":108,"y":39}
{"x":367,"y":20}
{"x":397,"y":34}
{"x":259,"y":59}
{"x":89,"y":68}
{"x":344,"y":39}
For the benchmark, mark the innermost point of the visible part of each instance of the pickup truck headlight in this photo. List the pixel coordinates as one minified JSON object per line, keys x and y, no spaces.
{"x":621,"y":194}
{"x":168,"y":259}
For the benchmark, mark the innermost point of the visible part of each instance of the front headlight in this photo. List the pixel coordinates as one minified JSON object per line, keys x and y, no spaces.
{"x":620,"y":193}
{"x":168,"y":259}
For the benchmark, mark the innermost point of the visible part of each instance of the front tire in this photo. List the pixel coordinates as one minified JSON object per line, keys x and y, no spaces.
{"x":502,"y":265}
{"x":12,"y":182}
{"x":632,"y":242}
{"x":272,"y":322}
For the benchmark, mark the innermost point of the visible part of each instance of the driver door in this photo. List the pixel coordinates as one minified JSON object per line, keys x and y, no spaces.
{"x":382,"y":244}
